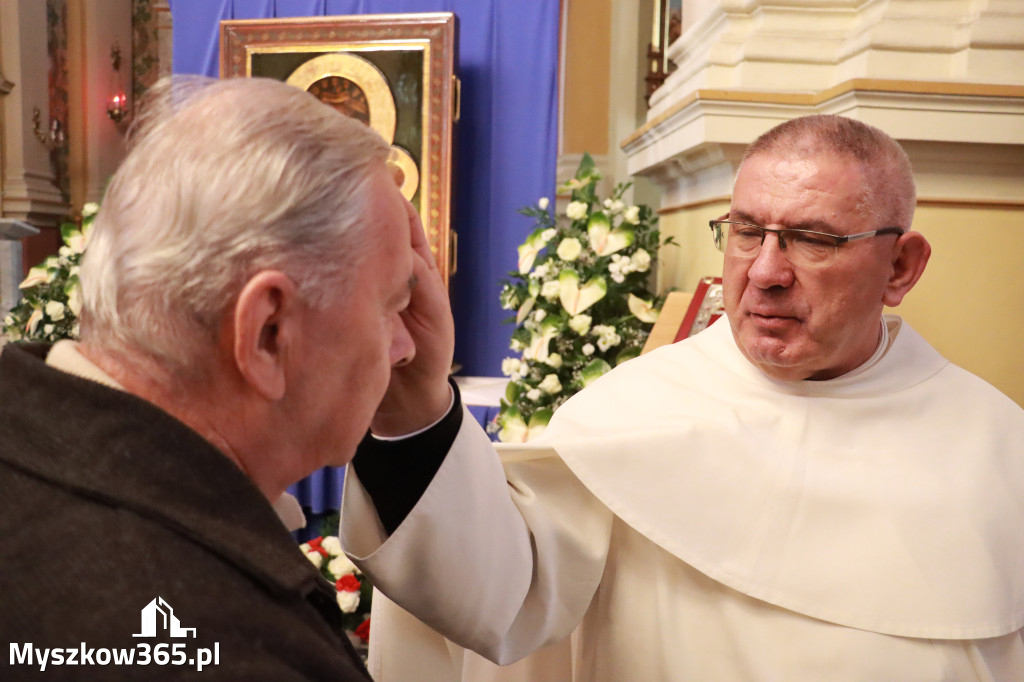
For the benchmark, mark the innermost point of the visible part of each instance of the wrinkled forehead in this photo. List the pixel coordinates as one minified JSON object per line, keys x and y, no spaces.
{"x":799,"y":178}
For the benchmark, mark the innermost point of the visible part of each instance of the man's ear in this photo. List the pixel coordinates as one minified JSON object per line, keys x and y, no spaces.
{"x":264,"y":321}
{"x":909,"y":257}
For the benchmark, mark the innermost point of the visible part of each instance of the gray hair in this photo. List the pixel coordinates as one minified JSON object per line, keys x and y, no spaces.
{"x":224,"y":178}
{"x":889,"y":195}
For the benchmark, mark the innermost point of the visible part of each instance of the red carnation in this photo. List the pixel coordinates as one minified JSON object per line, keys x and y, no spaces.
{"x":363,"y":631}
{"x":315,"y":544}
{"x":348,"y":583}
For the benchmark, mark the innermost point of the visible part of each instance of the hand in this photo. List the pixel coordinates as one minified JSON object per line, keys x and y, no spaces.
{"x":418,"y":394}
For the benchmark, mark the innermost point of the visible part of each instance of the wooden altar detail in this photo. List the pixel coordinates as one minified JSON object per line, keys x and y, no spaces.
{"x":394,"y":72}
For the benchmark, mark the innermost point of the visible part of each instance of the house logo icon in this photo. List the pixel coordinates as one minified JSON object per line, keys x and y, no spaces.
{"x":159,"y":613}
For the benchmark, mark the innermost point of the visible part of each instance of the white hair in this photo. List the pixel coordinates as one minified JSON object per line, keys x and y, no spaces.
{"x":224,"y":178}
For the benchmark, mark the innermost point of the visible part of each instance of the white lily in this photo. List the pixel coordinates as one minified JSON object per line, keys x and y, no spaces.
{"x":75,"y":300}
{"x":539,"y":342}
{"x":525,"y":309}
{"x":514,"y":428}
{"x":574,"y":298}
{"x":529,"y":249}
{"x":604,"y":240}
{"x":37,"y":275}
{"x":642,"y":309}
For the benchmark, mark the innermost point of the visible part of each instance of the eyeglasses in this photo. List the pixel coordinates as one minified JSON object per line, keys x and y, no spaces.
{"x":801,"y":247}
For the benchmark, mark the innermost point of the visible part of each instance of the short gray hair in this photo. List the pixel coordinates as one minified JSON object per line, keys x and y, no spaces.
{"x":224,"y":178}
{"x":890,"y":195}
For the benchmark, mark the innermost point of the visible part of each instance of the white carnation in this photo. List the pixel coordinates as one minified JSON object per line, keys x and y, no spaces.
{"x":576,"y":210}
{"x":348,"y":602}
{"x":580,"y":323}
{"x":550,"y":290}
{"x":315,"y":558}
{"x":90,"y":209}
{"x":332,"y":544}
{"x":341,"y":565}
{"x":641,"y":261}
{"x":555,"y":360}
{"x":543,"y":203}
{"x":550,"y":384}
{"x":588,"y":349}
{"x":533,"y":394}
{"x":632,"y":215}
{"x":54,"y":310}
{"x":510,"y":366}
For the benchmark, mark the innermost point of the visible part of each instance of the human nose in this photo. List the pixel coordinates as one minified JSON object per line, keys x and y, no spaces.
{"x":771,"y":267}
{"x":403,"y":347}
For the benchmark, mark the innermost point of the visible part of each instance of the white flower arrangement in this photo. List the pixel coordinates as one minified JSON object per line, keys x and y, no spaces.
{"x":51,"y":296}
{"x":354,"y":590}
{"x":581,"y":299}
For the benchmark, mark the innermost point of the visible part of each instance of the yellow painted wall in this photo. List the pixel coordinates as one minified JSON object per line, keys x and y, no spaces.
{"x":586,"y":79}
{"x":681,"y":267}
{"x":969,"y":304}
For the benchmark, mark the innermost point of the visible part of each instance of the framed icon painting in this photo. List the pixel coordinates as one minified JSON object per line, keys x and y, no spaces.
{"x":393,"y":72}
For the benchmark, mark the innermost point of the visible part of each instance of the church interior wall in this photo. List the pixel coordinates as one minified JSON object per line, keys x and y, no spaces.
{"x":946,"y":84}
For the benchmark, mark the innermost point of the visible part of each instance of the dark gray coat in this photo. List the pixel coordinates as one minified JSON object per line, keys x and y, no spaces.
{"x":106,"y":503}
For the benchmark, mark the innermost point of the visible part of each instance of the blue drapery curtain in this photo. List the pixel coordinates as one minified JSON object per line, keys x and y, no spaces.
{"x":506,"y":138}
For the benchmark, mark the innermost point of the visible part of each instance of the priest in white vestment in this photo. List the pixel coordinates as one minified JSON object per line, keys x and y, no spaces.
{"x":805,"y":491}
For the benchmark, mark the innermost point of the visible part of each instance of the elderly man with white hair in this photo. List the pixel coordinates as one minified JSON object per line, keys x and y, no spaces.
{"x":804,"y":491}
{"x":244,"y":301}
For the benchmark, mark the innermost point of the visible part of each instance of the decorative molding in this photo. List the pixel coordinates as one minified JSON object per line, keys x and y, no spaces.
{"x":678,"y":208}
{"x":818,"y":99}
{"x":771,"y":44}
{"x":964,"y":138}
{"x":939,"y":202}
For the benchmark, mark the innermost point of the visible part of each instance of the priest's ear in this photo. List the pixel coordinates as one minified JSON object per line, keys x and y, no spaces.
{"x":910,"y":255}
{"x":265,"y":327}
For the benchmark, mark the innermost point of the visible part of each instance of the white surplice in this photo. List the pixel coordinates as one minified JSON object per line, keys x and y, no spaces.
{"x":698,"y":520}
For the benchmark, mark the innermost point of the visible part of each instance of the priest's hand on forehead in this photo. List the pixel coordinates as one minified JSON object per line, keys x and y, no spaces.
{"x":419,"y":393}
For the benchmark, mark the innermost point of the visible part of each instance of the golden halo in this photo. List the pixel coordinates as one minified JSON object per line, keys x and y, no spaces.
{"x":403,"y":161}
{"x":364,"y":75}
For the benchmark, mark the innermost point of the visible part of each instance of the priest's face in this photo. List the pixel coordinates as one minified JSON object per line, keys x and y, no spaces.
{"x":796,"y":321}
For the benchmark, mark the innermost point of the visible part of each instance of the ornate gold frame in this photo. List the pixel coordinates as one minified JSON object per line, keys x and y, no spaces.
{"x":367,"y":50}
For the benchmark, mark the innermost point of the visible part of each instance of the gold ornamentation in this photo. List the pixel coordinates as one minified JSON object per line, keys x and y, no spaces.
{"x":352,"y":85}
{"x":406,"y":173}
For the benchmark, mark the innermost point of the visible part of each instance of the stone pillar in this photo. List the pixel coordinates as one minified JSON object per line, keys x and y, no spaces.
{"x":11,"y":232}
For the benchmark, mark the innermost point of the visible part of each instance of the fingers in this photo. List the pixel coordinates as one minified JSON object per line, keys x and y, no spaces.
{"x":419,"y":237}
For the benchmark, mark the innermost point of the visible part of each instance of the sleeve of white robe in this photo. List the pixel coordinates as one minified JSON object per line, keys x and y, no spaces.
{"x":500,"y":559}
